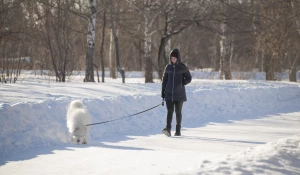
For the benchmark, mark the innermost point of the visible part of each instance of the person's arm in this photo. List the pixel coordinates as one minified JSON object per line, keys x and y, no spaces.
{"x":187,"y":77}
{"x":164,"y":83}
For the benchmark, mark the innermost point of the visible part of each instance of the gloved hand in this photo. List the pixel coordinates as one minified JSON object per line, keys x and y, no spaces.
{"x":163,"y":94}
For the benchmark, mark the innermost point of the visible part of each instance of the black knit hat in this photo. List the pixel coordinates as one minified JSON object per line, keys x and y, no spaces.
{"x":174,"y":54}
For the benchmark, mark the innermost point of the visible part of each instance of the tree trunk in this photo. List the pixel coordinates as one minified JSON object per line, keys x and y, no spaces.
{"x":116,"y":43}
{"x":161,"y":56}
{"x":168,"y":49}
{"x":112,"y":59}
{"x":89,"y":71}
{"x":147,"y":45}
{"x":147,"y":58}
{"x":216,"y":53}
{"x":226,"y":54}
{"x":257,"y":52}
{"x":102,"y":45}
{"x":226,"y":48}
{"x":120,"y":69}
{"x":141,"y":56}
{"x":293,"y":69}
{"x":228,"y":58}
{"x":269,"y":67}
{"x":52,"y":55}
{"x":164,"y":46}
{"x":165,"y":41}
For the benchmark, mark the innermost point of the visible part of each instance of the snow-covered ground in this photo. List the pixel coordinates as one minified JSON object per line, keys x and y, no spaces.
{"x":229,"y":127}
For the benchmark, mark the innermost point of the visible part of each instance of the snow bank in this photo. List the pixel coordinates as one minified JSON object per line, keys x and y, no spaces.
{"x":277,"y":157}
{"x":31,"y":124}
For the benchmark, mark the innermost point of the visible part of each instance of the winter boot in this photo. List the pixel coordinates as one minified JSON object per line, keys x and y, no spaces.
{"x":177,"y":133}
{"x":167,"y":131}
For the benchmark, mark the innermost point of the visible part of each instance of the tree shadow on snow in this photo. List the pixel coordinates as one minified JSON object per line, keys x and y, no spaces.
{"x":35,"y":152}
{"x":21,"y":155}
{"x":104,"y":145}
{"x":219,"y":140}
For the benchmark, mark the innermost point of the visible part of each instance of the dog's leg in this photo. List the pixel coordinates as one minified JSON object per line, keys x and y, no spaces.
{"x":84,"y":140}
{"x":85,"y":136}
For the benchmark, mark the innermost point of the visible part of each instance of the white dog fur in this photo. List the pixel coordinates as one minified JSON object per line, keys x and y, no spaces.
{"x":77,"y":119}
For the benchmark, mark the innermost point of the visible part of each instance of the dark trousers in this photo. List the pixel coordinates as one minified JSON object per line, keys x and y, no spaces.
{"x":170,"y":107}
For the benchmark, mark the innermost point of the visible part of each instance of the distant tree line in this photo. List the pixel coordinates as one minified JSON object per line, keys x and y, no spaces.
{"x":63,"y":36}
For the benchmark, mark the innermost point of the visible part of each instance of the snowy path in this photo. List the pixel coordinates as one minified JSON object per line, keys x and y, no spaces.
{"x":153,"y":153}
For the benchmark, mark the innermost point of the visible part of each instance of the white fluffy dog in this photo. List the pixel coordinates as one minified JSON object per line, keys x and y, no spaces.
{"x":77,"y":119}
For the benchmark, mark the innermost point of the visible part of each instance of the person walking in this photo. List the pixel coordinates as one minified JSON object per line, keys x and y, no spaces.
{"x":176,"y":76}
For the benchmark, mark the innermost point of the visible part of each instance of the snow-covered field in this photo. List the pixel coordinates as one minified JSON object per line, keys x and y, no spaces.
{"x":229,"y":127}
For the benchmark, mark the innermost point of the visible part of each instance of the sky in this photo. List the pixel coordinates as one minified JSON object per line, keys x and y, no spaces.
{"x":239,"y":127}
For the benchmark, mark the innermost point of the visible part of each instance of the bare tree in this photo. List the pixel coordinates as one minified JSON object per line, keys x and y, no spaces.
{"x":102,"y":42}
{"x":13,"y":41}
{"x":54,"y":22}
{"x":112,"y":56}
{"x":277,"y":35}
{"x":226,"y":35}
{"x":89,"y":71}
{"x":293,"y":68}
{"x":226,"y":44}
{"x":149,"y":18}
{"x":116,"y":43}
{"x":174,"y":23}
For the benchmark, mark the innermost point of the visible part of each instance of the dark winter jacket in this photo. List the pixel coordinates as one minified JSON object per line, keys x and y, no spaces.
{"x":176,"y":76}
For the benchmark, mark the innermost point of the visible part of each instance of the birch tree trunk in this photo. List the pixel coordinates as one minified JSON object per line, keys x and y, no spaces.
{"x":168,"y":46}
{"x":149,"y":17}
{"x":226,"y":53}
{"x":147,"y":44}
{"x":225,"y":50}
{"x":89,"y":71}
